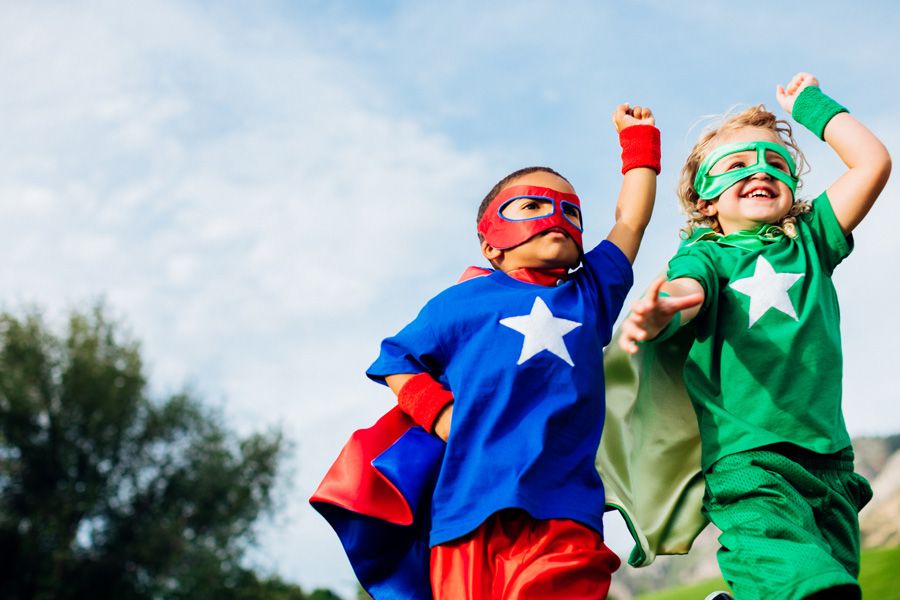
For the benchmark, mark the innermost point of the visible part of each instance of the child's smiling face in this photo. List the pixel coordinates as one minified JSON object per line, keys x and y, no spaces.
{"x":757,"y":199}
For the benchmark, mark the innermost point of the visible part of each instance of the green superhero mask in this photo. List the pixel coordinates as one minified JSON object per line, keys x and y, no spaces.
{"x":711,"y":186}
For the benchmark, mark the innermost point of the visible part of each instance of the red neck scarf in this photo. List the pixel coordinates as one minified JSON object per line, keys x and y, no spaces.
{"x":545,"y":277}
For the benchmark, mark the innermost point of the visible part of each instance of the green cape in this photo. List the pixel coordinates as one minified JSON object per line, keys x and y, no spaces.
{"x":649,"y":456}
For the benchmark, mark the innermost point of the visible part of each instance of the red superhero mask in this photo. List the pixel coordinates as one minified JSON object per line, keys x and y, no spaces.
{"x":552,"y":209}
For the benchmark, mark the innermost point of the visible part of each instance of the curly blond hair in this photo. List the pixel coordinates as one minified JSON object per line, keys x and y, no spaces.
{"x":755,"y":116}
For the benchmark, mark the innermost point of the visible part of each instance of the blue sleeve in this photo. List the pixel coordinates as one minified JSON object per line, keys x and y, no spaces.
{"x":608,"y":272}
{"x":415,"y":349}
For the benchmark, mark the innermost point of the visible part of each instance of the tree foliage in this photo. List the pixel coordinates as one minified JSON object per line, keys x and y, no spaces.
{"x":106,"y":493}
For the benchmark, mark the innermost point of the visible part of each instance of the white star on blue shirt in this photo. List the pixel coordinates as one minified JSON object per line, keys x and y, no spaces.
{"x":542,"y":331}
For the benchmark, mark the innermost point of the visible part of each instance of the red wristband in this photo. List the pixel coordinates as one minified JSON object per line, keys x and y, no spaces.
{"x":423,"y":399}
{"x":640,"y":147}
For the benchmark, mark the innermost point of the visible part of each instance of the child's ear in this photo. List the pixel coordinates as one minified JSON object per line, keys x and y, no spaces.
{"x":707,"y":208}
{"x":489,"y":252}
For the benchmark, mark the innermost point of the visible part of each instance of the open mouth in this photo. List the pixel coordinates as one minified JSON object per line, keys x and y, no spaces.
{"x":760,"y":192}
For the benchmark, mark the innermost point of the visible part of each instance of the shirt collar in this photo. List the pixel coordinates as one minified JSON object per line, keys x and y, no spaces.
{"x":545,"y":277}
{"x":749,"y":239}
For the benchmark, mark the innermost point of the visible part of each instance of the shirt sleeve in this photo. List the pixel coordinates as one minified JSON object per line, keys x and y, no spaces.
{"x":608,"y":272}
{"x":415,"y":349}
{"x":830,"y":242}
{"x":691,"y":262}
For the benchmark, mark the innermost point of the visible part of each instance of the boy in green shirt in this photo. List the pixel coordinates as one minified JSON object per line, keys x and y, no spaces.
{"x":753,"y":282}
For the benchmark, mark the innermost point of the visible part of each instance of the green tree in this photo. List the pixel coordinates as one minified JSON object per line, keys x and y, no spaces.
{"x":323,"y":595}
{"x":106,"y":493}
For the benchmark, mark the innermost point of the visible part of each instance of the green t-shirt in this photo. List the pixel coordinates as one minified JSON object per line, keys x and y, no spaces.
{"x":766,"y":364}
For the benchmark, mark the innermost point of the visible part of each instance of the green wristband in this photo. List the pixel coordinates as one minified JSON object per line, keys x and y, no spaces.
{"x":813,"y":109}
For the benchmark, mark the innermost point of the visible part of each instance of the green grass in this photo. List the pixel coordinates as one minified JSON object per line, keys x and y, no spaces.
{"x":880,"y":568}
{"x":695,"y":591}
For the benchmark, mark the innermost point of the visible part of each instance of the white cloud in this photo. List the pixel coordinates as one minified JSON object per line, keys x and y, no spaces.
{"x":235,"y":198}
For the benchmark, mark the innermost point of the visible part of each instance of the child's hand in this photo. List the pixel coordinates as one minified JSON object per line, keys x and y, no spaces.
{"x":786,"y":97}
{"x":651,"y":314}
{"x":626,"y":116}
{"x":442,"y":425}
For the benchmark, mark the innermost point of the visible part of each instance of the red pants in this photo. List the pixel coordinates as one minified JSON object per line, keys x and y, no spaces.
{"x":512,"y":556}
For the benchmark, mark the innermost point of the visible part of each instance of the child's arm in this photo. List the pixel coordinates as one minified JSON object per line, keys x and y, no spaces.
{"x":653,"y":313}
{"x":425,"y":400}
{"x":869,"y":163}
{"x":635,"y":203}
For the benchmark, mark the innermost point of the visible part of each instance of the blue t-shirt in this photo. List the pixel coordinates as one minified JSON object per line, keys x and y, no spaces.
{"x":525,"y":365}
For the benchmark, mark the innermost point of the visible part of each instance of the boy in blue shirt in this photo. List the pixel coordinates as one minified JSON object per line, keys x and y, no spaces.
{"x":507,"y":369}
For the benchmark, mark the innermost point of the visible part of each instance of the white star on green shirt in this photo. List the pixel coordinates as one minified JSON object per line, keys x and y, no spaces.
{"x":767,"y":289}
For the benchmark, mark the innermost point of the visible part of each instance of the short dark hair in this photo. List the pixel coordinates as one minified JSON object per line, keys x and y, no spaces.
{"x":505,"y":181}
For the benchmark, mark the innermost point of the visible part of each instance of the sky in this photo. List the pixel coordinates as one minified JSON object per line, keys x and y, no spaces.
{"x":263,"y":191}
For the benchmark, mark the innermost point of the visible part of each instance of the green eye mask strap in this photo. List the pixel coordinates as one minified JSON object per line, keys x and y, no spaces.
{"x":711,"y":186}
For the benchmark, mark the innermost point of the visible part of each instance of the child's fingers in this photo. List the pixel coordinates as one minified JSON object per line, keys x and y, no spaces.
{"x":630,"y":336}
{"x":625,"y":340}
{"x":619,"y":113}
{"x":800,"y":81}
{"x":655,"y":287}
{"x":676,"y":303}
{"x":641,"y":307}
{"x":637,"y":111}
{"x":803,"y":80}
{"x":628,"y":345}
{"x":782,"y":98}
{"x":634,"y":328}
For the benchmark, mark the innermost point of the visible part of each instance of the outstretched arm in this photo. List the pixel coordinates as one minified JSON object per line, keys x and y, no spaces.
{"x":868,"y":161}
{"x":651,"y":314}
{"x":635,"y":203}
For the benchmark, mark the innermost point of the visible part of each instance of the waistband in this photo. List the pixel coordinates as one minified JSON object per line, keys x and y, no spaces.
{"x":842,"y":460}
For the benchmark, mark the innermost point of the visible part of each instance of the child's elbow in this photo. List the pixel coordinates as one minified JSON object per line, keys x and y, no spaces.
{"x":886,"y":166}
{"x":883,"y":166}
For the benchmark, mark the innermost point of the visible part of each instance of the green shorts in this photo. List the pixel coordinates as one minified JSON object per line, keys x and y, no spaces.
{"x":789,"y":521}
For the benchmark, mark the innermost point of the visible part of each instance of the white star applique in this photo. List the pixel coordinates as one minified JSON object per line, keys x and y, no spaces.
{"x":767,"y":289}
{"x":542,"y":331}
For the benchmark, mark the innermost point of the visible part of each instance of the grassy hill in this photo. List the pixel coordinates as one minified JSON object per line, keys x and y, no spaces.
{"x":878,"y":579}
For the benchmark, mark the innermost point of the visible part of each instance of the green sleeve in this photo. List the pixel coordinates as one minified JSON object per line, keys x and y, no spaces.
{"x":830,"y":242}
{"x":693,"y":262}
